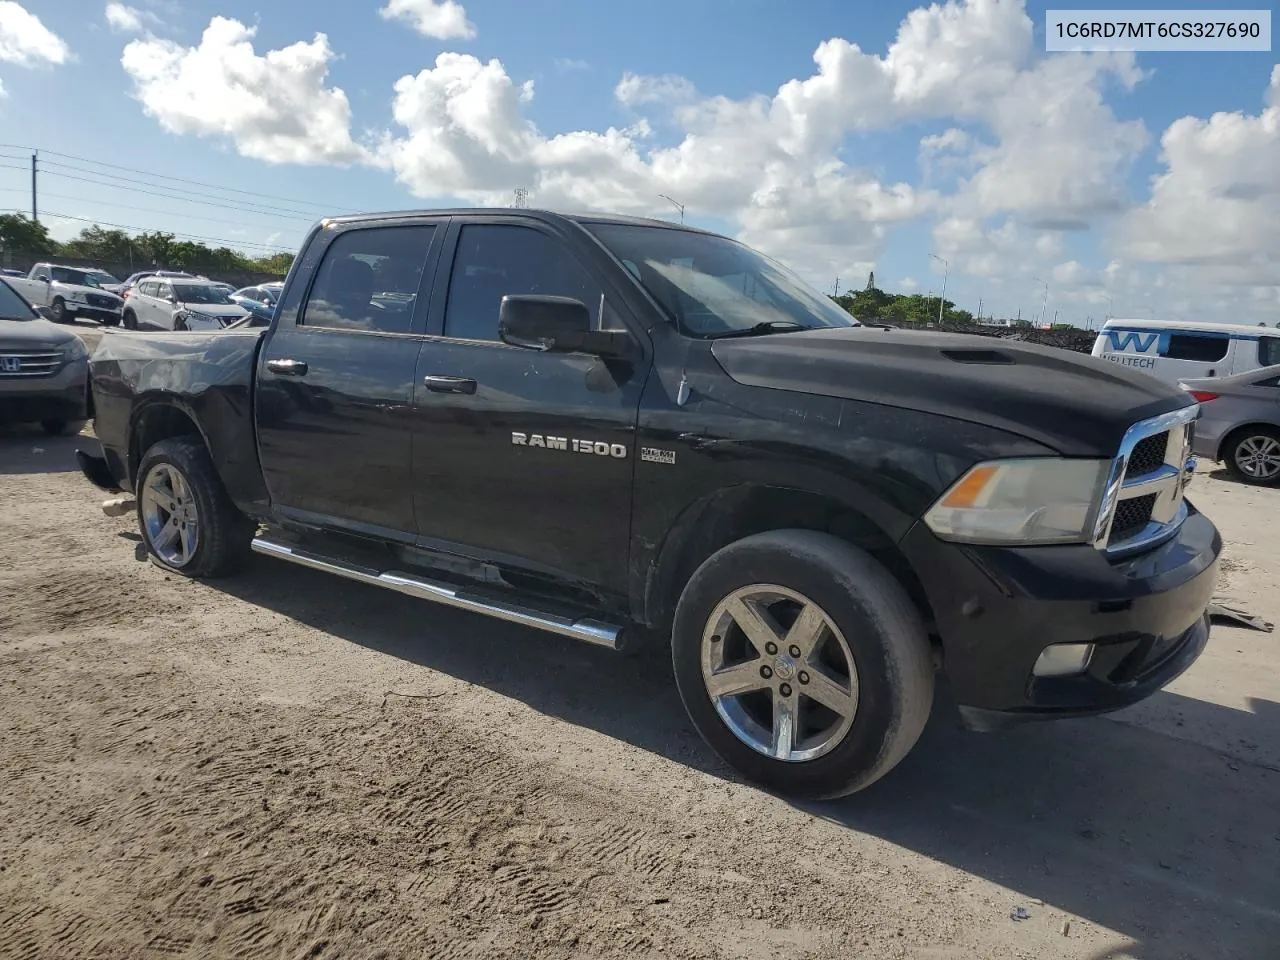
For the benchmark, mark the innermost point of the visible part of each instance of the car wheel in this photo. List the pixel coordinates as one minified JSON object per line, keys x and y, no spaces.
{"x":59,"y":309}
{"x":62,"y":428}
{"x":802,"y":662}
{"x":1253,"y":455}
{"x":130,"y":320}
{"x":187,"y":521}
{"x":111,"y":321}
{"x":179,"y":323}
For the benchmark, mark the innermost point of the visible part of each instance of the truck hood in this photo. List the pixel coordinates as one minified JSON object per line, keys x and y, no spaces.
{"x":1072,"y":403}
{"x":81,"y":291}
{"x":37,"y":334}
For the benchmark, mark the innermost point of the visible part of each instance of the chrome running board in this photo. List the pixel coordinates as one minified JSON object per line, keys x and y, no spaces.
{"x":590,"y":631}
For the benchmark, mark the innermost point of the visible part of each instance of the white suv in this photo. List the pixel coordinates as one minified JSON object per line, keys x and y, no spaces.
{"x":174,"y":303}
{"x":70,"y":292}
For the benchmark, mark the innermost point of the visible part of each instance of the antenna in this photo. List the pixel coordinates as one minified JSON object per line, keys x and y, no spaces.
{"x":521,"y":197}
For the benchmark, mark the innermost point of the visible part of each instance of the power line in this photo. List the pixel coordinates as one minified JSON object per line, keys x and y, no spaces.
{"x":275,"y":248}
{"x":243,"y":206}
{"x":160,"y":176}
{"x":132,"y":207}
{"x":184,"y":194}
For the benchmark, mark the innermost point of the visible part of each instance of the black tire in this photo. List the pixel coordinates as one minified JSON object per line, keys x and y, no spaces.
{"x":111,"y":321}
{"x":62,"y":428}
{"x":224,"y":532}
{"x":130,"y":320}
{"x":59,"y":309}
{"x":885,"y":635}
{"x":1231,"y":454}
{"x":180,"y":324}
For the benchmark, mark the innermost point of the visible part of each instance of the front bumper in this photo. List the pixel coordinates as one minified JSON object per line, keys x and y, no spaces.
{"x":997,"y":609}
{"x":101,"y":314}
{"x":63,"y":396}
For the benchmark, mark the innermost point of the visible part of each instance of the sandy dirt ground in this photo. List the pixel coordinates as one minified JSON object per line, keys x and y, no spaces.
{"x":288,"y":765}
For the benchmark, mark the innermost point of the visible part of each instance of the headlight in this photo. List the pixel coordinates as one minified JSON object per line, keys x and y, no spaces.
{"x":1034,"y":501}
{"x":74,"y":349}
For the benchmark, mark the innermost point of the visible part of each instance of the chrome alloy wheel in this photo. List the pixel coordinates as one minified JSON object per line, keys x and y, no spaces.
{"x":779,"y":672}
{"x":169,"y":516}
{"x":1258,"y":457}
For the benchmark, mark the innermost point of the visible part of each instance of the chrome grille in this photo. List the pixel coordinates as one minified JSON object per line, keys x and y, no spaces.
{"x":15,"y":363}
{"x":1143,"y":504}
{"x":1148,"y":456}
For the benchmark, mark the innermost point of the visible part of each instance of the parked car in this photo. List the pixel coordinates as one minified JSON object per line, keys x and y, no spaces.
{"x":7,"y":272}
{"x":69,"y":292}
{"x":44,"y":369}
{"x":260,"y":300}
{"x":1174,"y":350}
{"x":620,"y":430}
{"x":1239,"y":423}
{"x":135,"y":278}
{"x":175,"y":303}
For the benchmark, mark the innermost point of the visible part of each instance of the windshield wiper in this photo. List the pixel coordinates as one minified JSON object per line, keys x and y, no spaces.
{"x":767,"y":326}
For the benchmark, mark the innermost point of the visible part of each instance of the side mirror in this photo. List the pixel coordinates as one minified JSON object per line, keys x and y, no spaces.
{"x":47,"y":313}
{"x":556,"y":325}
{"x":172,"y":298}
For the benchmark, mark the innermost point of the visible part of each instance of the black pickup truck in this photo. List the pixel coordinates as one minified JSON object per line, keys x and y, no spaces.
{"x":620,"y":430}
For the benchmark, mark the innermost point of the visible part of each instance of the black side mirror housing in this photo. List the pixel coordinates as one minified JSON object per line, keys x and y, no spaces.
{"x":556,"y":325}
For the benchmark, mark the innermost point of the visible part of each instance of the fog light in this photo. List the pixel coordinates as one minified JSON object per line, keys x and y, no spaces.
{"x":1063,"y":660}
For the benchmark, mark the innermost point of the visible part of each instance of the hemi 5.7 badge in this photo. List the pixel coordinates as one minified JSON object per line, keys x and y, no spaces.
{"x":657,"y":455}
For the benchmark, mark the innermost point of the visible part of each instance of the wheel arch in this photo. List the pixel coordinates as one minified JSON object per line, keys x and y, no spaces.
{"x":731,"y":513}
{"x":1230,"y":435}
{"x":156,"y":418}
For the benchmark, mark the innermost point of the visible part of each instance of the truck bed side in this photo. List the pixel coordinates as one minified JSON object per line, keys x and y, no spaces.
{"x":150,"y":387}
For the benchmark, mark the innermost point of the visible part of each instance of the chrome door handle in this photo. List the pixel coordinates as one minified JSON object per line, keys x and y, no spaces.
{"x":449,"y":384}
{"x":287,"y":368}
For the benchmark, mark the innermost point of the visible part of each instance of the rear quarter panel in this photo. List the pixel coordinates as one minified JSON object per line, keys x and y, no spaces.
{"x":208,"y":377}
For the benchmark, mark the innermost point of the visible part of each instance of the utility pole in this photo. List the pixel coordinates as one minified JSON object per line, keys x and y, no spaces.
{"x":35,"y":213}
{"x":979,"y":308}
{"x":675,"y":203}
{"x":946,"y":269}
{"x":837,"y":293}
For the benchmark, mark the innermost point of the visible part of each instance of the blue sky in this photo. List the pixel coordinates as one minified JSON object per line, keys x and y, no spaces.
{"x":1125,"y":251}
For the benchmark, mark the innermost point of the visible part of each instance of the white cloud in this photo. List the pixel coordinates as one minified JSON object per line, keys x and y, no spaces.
{"x":1070,"y":274}
{"x":569,"y":65}
{"x":635,"y":90}
{"x":440,"y":19}
{"x":125,"y":19}
{"x":26,"y":41}
{"x":274,"y":107}
{"x":3,"y":92}
{"x":1049,"y":244}
{"x":1216,"y":205}
{"x":908,"y":284}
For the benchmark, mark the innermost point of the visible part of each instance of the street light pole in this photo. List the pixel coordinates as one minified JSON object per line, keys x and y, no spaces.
{"x":946,"y":270}
{"x":675,"y":203}
{"x":1044,"y":302}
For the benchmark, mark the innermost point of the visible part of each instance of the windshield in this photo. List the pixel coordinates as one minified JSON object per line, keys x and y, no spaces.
{"x":69,"y":275}
{"x":200,"y":293}
{"x":715,"y":287}
{"x":102,"y":276}
{"x":13,"y":306}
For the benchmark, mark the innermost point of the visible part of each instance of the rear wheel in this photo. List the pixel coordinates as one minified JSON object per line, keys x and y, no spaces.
{"x":1253,"y":455}
{"x":802,"y":662}
{"x":187,"y":521}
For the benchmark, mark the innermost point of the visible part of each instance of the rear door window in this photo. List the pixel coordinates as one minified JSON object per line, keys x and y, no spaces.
{"x":370,"y":280}
{"x":1202,"y":348}
{"x":1268,"y":351}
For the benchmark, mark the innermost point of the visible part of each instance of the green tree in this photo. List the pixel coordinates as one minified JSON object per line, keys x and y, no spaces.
{"x":95,"y":243}
{"x":21,"y":234}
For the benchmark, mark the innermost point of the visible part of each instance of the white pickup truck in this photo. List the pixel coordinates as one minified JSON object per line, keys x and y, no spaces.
{"x":69,"y":292}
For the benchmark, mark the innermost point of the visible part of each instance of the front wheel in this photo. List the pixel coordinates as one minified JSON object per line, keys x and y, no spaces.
{"x":59,"y":309}
{"x":111,"y":321}
{"x":188,"y":522}
{"x":802,"y":662}
{"x":1253,"y":455}
{"x":130,"y":320}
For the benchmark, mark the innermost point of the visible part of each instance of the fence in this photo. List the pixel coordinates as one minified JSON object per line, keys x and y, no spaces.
{"x":1080,"y":341}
